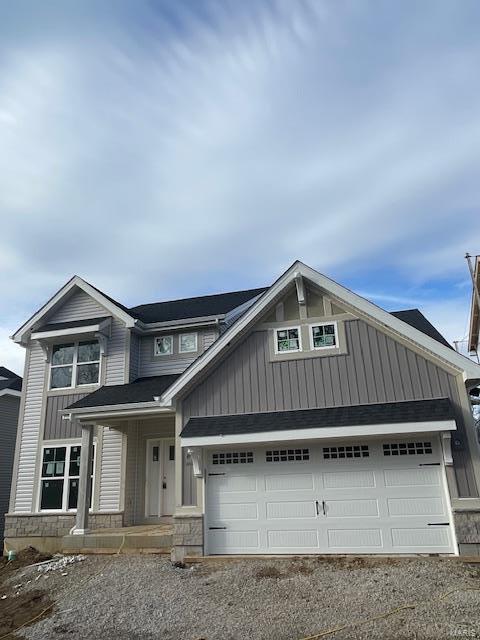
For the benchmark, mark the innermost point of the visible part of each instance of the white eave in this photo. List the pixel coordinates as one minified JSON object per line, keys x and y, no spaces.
{"x":21,"y":335}
{"x":10,"y":392}
{"x":50,"y":334}
{"x":116,"y":410}
{"x":358,"y":305}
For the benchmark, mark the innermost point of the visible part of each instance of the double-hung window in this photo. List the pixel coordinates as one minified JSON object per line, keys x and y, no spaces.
{"x":75,"y":364}
{"x":287,"y":339}
{"x":60,"y":478}
{"x":324,"y":335}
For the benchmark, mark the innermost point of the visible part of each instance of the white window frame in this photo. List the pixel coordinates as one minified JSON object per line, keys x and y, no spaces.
{"x":74,"y":364}
{"x":191,"y":333}
{"x":162,"y":355}
{"x":275,"y":338}
{"x":323,"y":324}
{"x":66,"y":477}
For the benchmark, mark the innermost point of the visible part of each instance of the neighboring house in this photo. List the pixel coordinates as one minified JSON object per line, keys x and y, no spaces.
{"x":298,"y":418}
{"x":10,"y":392}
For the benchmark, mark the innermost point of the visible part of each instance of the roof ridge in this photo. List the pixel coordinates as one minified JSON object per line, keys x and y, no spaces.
{"x":209,"y":295}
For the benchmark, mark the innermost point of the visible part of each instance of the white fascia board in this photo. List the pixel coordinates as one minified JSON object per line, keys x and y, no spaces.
{"x":116,"y":410}
{"x":73,"y":331}
{"x":321,"y":433}
{"x":10,"y":392}
{"x":188,"y":323}
{"x":76,"y":281}
{"x":360,"y":305}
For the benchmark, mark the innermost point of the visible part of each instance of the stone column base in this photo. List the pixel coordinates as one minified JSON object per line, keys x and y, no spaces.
{"x":187,"y":537}
{"x":467,"y":529}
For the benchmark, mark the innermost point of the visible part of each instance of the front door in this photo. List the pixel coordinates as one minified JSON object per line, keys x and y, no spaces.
{"x":160,"y":483}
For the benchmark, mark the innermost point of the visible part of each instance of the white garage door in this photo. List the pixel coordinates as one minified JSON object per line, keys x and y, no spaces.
{"x":382,"y":496}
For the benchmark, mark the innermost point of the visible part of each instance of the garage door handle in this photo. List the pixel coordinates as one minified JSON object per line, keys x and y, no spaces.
{"x":317,"y":507}
{"x":216,"y":528}
{"x":324,"y":508}
{"x":438,"y":524}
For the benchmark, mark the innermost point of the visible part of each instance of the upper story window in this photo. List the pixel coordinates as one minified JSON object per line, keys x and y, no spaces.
{"x":75,"y":364}
{"x":324,"y":335}
{"x":288,"y":340}
{"x":188,"y":343}
{"x":163,"y":346}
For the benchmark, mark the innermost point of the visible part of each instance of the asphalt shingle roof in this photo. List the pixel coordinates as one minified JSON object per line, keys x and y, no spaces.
{"x":417,"y":320}
{"x":15,"y":384}
{"x":141,"y":390}
{"x":6,"y":373}
{"x":365,"y":414}
{"x":218,"y":304}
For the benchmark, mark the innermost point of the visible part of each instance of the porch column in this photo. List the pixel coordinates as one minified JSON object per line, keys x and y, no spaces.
{"x":85,"y":481}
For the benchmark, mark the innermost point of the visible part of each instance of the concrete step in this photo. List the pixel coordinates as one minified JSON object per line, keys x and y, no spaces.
{"x":117,"y":543}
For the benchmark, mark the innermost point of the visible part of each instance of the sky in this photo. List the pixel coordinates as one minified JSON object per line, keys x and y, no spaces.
{"x":170,"y":148}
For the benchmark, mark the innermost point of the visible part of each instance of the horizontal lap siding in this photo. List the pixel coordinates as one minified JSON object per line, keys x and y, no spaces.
{"x":9,"y":407}
{"x":80,"y":306}
{"x":117,"y":344}
{"x":30,"y":429}
{"x":375,"y":368}
{"x":55,"y":426}
{"x":111,"y":470}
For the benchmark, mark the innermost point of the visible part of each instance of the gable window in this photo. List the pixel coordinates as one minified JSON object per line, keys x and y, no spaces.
{"x":75,"y":364}
{"x":188,"y":343}
{"x":163,"y":346}
{"x":60,"y":478}
{"x":287,"y":340}
{"x":324,"y":335}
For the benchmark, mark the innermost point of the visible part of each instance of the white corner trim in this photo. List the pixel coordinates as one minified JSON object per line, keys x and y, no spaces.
{"x":364,"y":307}
{"x":321,"y":433}
{"x":10,"y":392}
{"x":20,"y":335}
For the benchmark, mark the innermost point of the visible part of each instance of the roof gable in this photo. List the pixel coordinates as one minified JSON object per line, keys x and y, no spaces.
{"x":361,"y":307}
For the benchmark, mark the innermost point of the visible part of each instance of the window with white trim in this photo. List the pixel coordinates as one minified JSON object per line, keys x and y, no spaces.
{"x":347,"y":451}
{"x":287,"y":339}
{"x":324,"y":335}
{"x":287,"y":455}
{"x":75,"y":364}
{"x":60,"y":476}
{"x":407,"y":448}
{"x":232,"y":457}
{"x":163,"y":346}
{"x":188,"y":343}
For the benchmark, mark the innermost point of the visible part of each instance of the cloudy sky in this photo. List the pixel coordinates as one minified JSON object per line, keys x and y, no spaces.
{"x":167,"y":148}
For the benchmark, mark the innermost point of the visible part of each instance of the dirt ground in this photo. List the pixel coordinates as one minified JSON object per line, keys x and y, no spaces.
{"x":18,"y":608}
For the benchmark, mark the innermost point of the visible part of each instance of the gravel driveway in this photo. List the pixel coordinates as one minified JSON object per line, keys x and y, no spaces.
{"x":145,"y":597}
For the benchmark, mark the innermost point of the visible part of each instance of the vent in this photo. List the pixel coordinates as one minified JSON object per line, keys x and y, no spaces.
{"x":232,"y":457}
{"x":407,"y":448}
{"x":287,"y":455}
{"x":350,"y":451}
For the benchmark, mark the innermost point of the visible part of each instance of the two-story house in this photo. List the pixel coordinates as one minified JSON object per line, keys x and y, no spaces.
{"x":296,"y":418}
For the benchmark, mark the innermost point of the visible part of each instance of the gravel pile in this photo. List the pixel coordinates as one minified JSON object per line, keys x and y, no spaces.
{"x":145,"y":597}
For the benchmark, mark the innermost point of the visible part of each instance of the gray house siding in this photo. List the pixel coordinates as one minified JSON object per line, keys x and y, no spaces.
{"x":79,"y":306}
{"x":134,"y":356}
{"x":9,"y":408}
{"x":151,"y":365}
{"x":375,"y":368}
{"x":55,"y":427}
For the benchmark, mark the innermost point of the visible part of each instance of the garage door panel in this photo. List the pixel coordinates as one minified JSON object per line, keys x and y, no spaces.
{"x":224,"y":541}
{"x":290,"y":509}
{"x":354,"y":538}
{"x":293,"y":539}
{"x":233,"y":483}
{"x":289,"y":482}
{"x":351,"y":508}
{"x":422,"y":537}
{"x":415,"y":506}
{"x":234,"y":511}
{"x":348,"y":479}
{"x":413,"y":476}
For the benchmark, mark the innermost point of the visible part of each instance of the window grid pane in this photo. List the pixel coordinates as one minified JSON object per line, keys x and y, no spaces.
{"x":349,"y":451}
{"x":407,"y":448}
{"x":61,"y":377}
{"x":232,"y":457}
{"x":324,"y":336}
{"x":288,"y":340}
{"x":287,"y":455}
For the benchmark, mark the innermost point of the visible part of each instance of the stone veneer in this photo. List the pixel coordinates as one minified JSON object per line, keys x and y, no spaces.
{"x":55,"y":524}
{"x":187,"y":537}
{"x":467,"y":529}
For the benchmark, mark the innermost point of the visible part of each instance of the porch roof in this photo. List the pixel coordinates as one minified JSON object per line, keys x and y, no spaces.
{"x":141,"y":390}
{"x":406,"y":412}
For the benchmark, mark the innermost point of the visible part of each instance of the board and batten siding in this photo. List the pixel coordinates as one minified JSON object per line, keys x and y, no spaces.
{"x":9,"y":408}
{"x":151,"y":365}
{"x":79,"y":306}
{"x":30,"y":429}
{"x":375,"y":368}
{"x":55,"y":427}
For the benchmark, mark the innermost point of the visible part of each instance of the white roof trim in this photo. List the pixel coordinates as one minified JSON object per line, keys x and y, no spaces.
{"x":72,"y":331}
{"x":321,"y":433}
{"x":361,"y":306}
{"x":20,"y":335}
{"x":116,"y":410}
{"x":10,"y":392}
